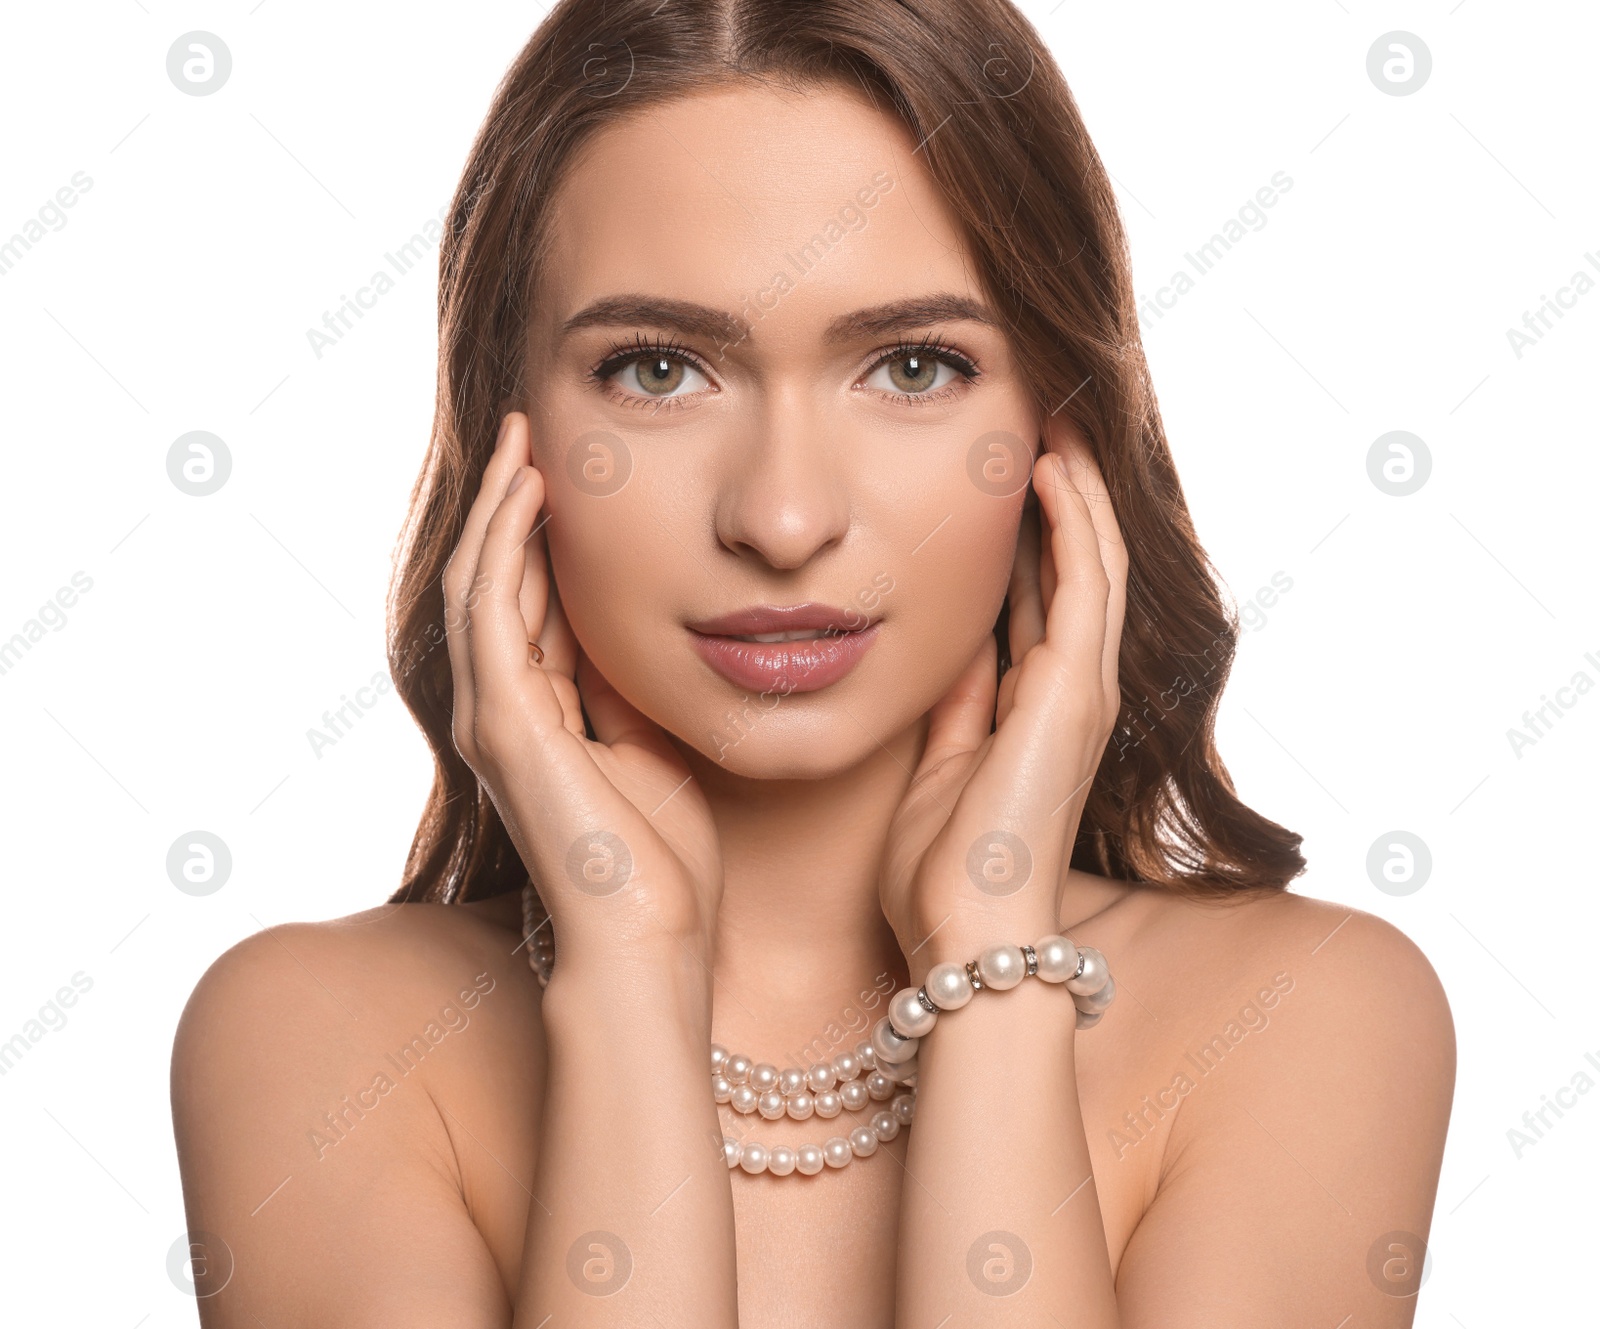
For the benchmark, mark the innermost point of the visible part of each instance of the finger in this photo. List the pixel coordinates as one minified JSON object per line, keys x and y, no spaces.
{"x":961,"y":721}
{"x":1086,"y":478}
{"x":1075,"y":620}
{"x":548,"y":628}
{"x":497,"y":633}
{"x":616,"y":720}
{"x":555,"y":638}
{"x":461,"y":570}
{"x":541,"y":606}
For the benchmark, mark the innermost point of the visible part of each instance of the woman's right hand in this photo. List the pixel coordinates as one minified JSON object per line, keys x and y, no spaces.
{"x":614,"y":831}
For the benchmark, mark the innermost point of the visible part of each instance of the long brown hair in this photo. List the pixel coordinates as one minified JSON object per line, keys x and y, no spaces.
{"x":1000,"y":134}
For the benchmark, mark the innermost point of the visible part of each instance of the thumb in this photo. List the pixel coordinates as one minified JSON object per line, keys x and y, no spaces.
{"x":615,"y":719}
{"x":961,"y":720}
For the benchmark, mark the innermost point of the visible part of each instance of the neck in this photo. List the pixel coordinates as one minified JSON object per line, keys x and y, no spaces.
{"x":804,"y":957}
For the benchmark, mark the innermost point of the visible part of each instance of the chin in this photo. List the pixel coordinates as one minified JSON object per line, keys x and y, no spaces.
{"x":806,"y":736}
{"x":809,"y":755}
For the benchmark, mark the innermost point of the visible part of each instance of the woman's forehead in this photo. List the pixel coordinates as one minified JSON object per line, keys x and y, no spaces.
{"x":742,"y":199}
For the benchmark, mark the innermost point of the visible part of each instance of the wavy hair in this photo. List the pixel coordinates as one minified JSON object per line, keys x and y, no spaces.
{"x":1002,"y":138}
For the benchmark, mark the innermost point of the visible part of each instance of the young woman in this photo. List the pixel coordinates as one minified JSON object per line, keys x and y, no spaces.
{"x":821,"y":668}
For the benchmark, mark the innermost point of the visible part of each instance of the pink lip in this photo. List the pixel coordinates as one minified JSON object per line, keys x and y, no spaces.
{"x":782,"y":667}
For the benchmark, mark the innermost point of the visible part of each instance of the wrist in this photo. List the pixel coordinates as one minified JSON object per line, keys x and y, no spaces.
{"x":1003,"y":1026}
{"x":658,"y":984}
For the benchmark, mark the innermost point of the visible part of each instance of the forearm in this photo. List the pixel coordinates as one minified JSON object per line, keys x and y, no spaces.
{"x":632,"y":1220}
{"x":1000,"y":1220}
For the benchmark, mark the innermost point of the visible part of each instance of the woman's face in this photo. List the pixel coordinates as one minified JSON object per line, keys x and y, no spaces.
{"x":731,"y":412}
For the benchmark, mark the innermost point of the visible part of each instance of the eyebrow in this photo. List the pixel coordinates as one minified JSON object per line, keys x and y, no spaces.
{"x":703,"y":321}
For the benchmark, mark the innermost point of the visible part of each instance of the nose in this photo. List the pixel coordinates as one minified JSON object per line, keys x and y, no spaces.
{"x":785,"y":497}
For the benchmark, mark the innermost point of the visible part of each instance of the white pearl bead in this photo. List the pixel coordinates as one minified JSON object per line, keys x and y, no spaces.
{"x":904,"y":1107}
{"x":1058,"y":958}
{"x":948,"y":986}
{"x":781,"y":1161}
{"x":1001,"y":967}
{"x":836,"y":1151}
{"x":1095,"y":972}
{"x":721,"y":1090}
{"x":901,"y":1071}
{"x":753,"y":1157}
{"x":828,"y":1103}
{"x":763,"y":1076}
{"x":737,"y":1068}
{"x":743,"y":1098}
{"x":801,"y":1105}
{"x":889,"y":1045}
{"x":1096,"y":1002}
{"x":847,"y":1066}
{"x":771,"y":1105}
{"x":791,"y":1081}
{"x":879,"y":1086}
{"x":809,"y":1160}
{"x":853,"y":1094}
{"x":821,"y":1077}
{"x":866,"y":1056}
{"x":719,"y":1054}
{"x":863,"y":1141}
{"x":730,"y":1151}
{"x":885,"y":1125}
{"x":1087,"y":1021}
{"x":910,"y":1018}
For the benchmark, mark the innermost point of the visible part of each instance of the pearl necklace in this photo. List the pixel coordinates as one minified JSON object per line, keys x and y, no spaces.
{"x":879,"y":1068}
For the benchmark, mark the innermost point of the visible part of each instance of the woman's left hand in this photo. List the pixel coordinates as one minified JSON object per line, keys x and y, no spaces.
{"x":979,"y":847}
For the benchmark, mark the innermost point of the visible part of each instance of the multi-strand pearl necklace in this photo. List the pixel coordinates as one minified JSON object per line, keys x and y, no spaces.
{"x":882,"y":1067}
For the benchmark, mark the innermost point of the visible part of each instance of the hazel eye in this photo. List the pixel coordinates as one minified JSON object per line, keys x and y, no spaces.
{"x":912,"y":373}
{"x":655,"y":376}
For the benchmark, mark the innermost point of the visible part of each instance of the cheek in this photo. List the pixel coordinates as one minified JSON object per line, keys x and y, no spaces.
{"x":604,"y":575}
{"x":956,"y":584}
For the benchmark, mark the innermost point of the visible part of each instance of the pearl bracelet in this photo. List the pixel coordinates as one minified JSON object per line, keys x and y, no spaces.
{"x":949,"y":986}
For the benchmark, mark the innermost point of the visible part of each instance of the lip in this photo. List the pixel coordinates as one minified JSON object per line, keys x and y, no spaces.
{"x":783,"y":667}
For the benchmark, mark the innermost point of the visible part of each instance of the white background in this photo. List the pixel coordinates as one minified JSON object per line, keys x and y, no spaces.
{"x":1375,"y":696}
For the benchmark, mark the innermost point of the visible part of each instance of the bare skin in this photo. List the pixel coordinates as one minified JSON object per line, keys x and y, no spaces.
{"x":1266,"y":1099}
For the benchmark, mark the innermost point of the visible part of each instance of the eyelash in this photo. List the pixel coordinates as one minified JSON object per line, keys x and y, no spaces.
{"x":622,"y":354}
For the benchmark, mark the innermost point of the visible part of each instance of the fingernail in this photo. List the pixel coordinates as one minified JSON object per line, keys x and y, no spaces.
{"x":517,"y":479}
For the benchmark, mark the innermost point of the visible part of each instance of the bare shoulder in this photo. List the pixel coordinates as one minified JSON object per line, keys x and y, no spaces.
{"x":392,"y":943}
{"x":312,"y":990}
{"x":314,"y":1070}
{"x":1351,"y":969}
{"x":1314,"y":1075}
{"x":1343,"y":987}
